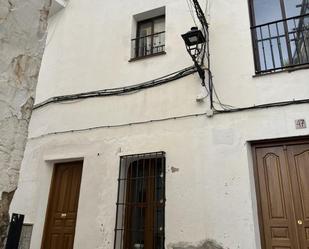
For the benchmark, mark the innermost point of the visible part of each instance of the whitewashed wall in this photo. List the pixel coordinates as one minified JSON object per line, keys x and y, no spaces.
{"x":212,"y":195}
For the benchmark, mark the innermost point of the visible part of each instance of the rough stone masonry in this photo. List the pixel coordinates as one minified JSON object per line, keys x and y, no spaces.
{"x":23,"y":26}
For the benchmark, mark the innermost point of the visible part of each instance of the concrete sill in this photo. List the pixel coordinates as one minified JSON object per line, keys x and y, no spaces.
{"x":287,"y":70}
{"x":56,"y":6}
{"x":147,"y":56}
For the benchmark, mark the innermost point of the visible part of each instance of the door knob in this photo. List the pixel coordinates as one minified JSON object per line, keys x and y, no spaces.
{"x":299,"y":222}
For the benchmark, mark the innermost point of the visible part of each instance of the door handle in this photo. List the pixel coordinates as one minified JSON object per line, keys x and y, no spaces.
{"x":299,"y":222}
{"x":63,"y":215}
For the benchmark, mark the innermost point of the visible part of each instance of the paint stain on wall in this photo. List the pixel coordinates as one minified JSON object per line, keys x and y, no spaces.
{"x":207,"y":244}
{"x":174,"y":170}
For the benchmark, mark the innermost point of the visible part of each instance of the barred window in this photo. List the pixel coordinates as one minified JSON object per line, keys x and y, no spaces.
{"x":141,"y":202}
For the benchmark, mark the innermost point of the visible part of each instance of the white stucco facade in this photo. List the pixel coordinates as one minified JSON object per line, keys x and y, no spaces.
{"x":212,"y":195}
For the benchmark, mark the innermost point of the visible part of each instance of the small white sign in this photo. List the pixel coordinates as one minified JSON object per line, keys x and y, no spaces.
{"x":300,"y":124}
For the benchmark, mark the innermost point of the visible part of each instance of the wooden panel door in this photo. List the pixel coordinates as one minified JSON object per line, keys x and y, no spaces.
{"x":276,"y":201}
{"x":298,"y":156}
{"x":62,"y":207}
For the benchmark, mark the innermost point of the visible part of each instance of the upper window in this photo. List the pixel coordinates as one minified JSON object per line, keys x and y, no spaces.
{"x":280,"y":32}
{"x":149,"y":35}
{"x":141,"y":202}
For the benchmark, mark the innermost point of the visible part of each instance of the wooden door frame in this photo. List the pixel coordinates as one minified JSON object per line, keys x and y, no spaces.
{"x":51,"y":190}
{"x":262,"y":144}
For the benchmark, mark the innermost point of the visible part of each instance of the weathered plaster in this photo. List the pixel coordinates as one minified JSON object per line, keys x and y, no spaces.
{"x":174,"y":169}
{"x":207,"y":244}
{"x":211,"y":196}
{"x":22,"y":40}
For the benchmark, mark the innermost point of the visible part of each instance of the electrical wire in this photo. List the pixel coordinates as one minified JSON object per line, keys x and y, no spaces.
{"x":200,"y":15}
{"x":191,"y":11}
{"x":263,"y":106}
{"x":120,"y":90}
{"x":120,"y":125}
{"x":255,"y":107}
{"x":207,"y":10}
{"x":200,"y":50}
{"x":205,"y":53}
{"x":223,"y":106}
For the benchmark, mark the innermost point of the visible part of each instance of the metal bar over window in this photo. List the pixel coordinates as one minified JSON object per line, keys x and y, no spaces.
{"x":148,"y":45}
{"x":140,"y":212}
{"x":281,"y":44}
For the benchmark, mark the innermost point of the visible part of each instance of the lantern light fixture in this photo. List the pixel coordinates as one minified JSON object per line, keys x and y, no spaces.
{"x":193,"y":37}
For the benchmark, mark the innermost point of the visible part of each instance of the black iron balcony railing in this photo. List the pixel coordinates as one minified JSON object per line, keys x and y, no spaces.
{"x":281,"y":44}
{"x":148,"y":45}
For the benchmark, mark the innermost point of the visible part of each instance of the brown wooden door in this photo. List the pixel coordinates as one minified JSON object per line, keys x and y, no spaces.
{"x":298,"y":157}
{"x":62,"y":207}
{"x":282,"y":179}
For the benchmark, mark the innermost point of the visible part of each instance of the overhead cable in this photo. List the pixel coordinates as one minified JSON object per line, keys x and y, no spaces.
{"x":191,"y":11}
{"x":255,"y":107}
{"x":120,"y":90}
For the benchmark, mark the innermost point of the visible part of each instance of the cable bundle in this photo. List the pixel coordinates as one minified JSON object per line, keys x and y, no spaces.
{"x":120,"y":90}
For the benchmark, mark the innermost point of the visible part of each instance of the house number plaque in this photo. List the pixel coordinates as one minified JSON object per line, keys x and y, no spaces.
{"x":300,"y":124}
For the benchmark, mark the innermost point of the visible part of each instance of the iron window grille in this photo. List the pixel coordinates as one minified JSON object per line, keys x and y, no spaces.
{"x":150,"y":38}
{"x":140,"y":215}
{"x":281,"y":44}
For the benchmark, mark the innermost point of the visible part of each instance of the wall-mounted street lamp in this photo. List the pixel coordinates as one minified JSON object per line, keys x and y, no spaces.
{"x":197,"y":45}
{"x":193,"y":40}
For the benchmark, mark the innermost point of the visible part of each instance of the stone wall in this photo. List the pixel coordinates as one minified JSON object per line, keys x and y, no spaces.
{"x":23,"y":26}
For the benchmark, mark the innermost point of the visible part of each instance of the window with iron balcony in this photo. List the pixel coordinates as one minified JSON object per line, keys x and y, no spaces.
{"x":280,"y":34}
{"x":150,"y":38}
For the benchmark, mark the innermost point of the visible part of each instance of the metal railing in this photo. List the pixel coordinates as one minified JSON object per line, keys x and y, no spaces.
{"x":148,"y":45}
{"x":281,"y":44}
